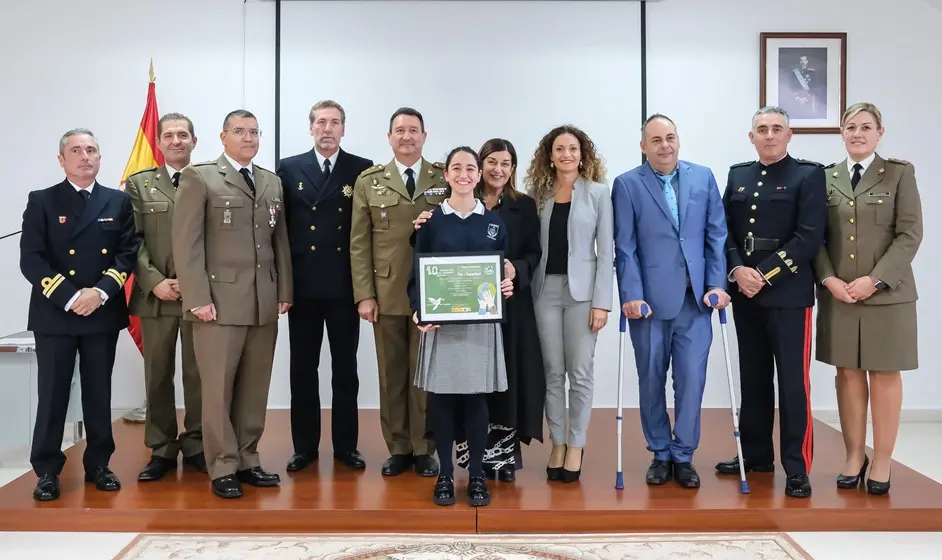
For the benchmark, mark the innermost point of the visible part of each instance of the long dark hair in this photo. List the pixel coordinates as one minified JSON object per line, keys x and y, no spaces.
{"x":492,"y":146}
{"x":451,"y":156}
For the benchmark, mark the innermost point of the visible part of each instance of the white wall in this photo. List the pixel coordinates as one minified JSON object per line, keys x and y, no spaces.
{"x":703,"y":71}
{"x":212,"y":56}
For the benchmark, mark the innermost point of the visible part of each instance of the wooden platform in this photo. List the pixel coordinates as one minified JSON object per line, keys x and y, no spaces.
{"x":330,"y":498}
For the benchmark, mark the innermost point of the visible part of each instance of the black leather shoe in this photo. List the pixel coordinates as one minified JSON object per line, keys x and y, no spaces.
{"x":659,"y":472}
{"x":47,"y":488}
{"x":477,"y":492}
{"x":227,"y":487}
{"x":352,"y":459}
{"x":425,"y":465}
{"x":444,"y":494}
{"x":104,"y":479}
{"x":156,"y":469}
{"x":396,"y":465}
{"x":848,"y":482}
{"x":506,"y":474}
{"x":798,"y":486}
{"x":257,"y":477}
{"x":197,"y":461}
{"x":686,"y":475}
{"x":301,"y":461}
{"x":732,"y":466}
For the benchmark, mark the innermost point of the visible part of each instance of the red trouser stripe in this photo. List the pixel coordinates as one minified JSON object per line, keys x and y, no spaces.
{"x":807,"y":446}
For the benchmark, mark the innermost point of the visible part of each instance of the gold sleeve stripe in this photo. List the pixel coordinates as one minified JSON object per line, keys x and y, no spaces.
{"x":116,"y":276}
{"x":50,"y":284}
{"x":773,"y":272}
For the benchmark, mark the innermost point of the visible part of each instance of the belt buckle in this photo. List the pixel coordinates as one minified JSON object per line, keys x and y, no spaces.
{"x":750,"y":244}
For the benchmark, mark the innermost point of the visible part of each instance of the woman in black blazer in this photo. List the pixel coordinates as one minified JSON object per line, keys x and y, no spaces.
{"x":515,"y":415}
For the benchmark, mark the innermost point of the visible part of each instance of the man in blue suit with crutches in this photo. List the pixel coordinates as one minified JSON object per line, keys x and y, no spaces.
{"x":670,"y":236}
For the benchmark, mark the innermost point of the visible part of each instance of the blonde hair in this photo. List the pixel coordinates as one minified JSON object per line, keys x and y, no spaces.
{"x":864,"y":107}
{"x":541,"y":177}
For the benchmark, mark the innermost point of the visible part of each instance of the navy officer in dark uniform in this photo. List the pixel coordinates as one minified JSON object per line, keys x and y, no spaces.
{"x":77,"y":249}
{"x":776,"y":210}
{"x":318,"y":188}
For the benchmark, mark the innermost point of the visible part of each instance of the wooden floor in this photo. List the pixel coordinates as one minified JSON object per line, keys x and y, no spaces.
{"x":330,"y":498}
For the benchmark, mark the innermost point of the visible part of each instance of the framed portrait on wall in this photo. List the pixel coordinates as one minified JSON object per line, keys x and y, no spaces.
{"x":805,"y":74}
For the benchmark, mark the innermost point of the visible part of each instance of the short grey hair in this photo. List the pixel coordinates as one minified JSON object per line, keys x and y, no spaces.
{"x":770,"y":110}
{"x":75,"y":132}
{"x":328,"y":104}
{"x":240,"y":113}
{"x":644,"y":127}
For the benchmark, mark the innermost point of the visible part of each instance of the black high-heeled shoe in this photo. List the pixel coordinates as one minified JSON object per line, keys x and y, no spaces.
{"x":572,"y":476}
{"x":878,"y":488}
{"x":556,"y":473}
{"x":849,"y":482}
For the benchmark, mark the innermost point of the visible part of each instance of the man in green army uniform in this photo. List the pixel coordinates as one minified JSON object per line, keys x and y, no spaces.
{"x":156,"y":300}
{"x":386,"y":201}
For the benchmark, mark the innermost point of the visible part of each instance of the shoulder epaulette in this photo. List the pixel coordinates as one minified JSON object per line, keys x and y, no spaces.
{"x":438,"y":165}
{"x":899,"y":161}
{"x":809,"y":162}
{"x":370,"y":170}
{"x":202,"y":163}
{"x":742,"y":164}
{"x":257,"y":166}
{"x":149,"y":169}
{"x":835,"y":164}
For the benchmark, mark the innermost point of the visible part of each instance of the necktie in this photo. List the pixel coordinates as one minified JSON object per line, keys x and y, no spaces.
{"x":248,"y":179}
{"x":326,"y":170}
{"x":669,"y":195}
{"x":410,"y":182}
{"x":856,"y":178}
{"x":175,"y":179}
{"x":85,"y":196}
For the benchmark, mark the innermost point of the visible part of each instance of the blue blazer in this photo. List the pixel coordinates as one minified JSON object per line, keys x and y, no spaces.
{"x":652,"y":250}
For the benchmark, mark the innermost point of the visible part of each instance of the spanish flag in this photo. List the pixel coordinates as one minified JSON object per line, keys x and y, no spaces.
{"x":145,"y":154}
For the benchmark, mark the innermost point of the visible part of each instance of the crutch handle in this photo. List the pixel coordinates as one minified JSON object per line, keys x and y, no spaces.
{"x":623,"y":323}
{"x":714,"y":301}
{"x":644,"y":309}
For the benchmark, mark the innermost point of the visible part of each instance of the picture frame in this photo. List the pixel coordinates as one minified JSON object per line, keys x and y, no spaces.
{"x":460,"y":288}
{"x":806,"y":75}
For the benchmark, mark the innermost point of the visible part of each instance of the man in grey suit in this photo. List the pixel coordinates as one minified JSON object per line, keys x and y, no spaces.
{"x":670,"y":237}
{"x":572,"y":284}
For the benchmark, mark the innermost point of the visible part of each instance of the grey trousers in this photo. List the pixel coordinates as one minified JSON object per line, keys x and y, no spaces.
{"x":568,"y":348}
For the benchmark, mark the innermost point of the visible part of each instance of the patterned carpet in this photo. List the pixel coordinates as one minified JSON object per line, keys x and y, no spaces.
{"x":742,"y":546}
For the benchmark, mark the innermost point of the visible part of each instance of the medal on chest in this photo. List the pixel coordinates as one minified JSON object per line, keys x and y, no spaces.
{"x":227,"y":216}
{"x":271,"y":212}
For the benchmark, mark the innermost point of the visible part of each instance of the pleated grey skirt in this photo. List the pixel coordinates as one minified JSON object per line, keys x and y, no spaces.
{"x":462,"y":360}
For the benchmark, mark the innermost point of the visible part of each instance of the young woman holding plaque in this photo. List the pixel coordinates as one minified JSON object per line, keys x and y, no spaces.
{"x":460,"y":364}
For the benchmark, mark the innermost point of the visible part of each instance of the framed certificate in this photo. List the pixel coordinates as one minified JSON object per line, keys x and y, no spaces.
{"x":460,"y":287}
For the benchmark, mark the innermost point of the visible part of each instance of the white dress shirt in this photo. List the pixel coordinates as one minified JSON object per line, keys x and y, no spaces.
{"x":321,"y":159}
{"x":238,"y":166}
{"x":416,"y":168}
{"x":865,"y":164}
{"x":104,"y":296}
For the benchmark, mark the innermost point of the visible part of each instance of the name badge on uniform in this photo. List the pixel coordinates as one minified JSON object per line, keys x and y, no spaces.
{"x":879,"y":194}
{"x":227,"y":216}
{"x":271,"y":211}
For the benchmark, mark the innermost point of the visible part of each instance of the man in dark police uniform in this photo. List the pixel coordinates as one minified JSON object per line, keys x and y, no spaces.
{"x":77,"y":249}
{"x":776,"y":210}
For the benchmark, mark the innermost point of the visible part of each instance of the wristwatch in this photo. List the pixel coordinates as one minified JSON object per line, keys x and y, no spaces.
{"x":877,"y":283}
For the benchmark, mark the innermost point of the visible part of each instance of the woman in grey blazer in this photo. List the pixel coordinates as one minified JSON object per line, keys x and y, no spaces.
{"x":572,"y":285}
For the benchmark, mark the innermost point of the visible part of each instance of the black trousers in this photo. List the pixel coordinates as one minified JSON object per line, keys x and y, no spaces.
{"x":770,"y":340}
{"x":306,"y":321}
{"x":55,"y":360}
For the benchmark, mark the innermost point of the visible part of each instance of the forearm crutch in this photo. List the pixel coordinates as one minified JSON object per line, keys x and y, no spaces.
{"x":622,"y":326}
{"x":744,"y":486}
